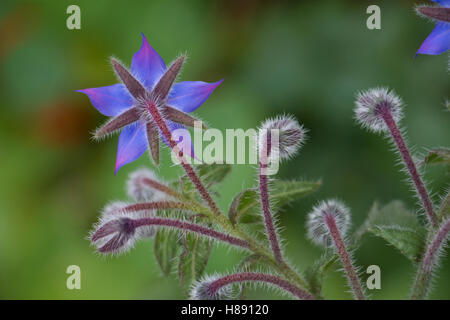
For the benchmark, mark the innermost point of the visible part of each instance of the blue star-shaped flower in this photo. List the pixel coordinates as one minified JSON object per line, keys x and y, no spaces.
{"x":148,"y":81}
{"x":439,"y":39}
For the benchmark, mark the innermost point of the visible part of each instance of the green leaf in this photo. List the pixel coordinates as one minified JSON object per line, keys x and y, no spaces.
{"x":281,"y":193}
{"x":398,"y":226}
{"x":194,"y":258}
{"x":165,"y":249}
{"x":410,"y":242}
{"x":241,"y":203}
{"x":316,"y":273}
{"x":437,"y":156}
{"x":395,"y":212}
{"x":284,"y":192}
{"x":210,"y":174}
{"x":213,"y":173}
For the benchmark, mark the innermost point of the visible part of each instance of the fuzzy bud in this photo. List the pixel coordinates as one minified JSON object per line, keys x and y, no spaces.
{"x":318,"y":231}
{"x":117,"y":209}
{"x":290,"y":136}
{"x":138,"y":186}
{"x":371,"y":104}
{"x":114,"y":234}
{"x":206,"y":290}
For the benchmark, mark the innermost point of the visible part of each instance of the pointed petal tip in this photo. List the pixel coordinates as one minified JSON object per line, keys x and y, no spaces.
{"x":438,"y":41}
{"x":147,"y":65}
{"x":188,"y":96}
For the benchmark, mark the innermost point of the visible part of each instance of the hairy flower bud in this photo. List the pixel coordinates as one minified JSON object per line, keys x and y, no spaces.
{"x":371,"y":104}
{"x":117,"y":209}
{"x":318,"y":231}
{"x":204,"y":290}
{"x":114,"y":234}
{"x":290,"y":136}
{"x":138,"y":186}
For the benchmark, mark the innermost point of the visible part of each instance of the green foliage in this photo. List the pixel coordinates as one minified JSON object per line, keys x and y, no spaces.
{"x":399,"y":227}
{"x":438,"y":156}
{"x":245,"y":207}
{"x":210,"y":174}
{"x":165,"y":249}
{"x":241,"y":203}
{"x":409,"y":241}
{"x":316,"y":273}
{"x":195,"y":250}
{"x":194,"y":258}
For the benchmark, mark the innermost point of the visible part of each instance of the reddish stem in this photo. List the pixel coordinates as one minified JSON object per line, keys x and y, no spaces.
{"x":216,"y":285}
{"x":264,"y":196}
{"x":157,"y":205}
{"x":160,"y":187}
{"x":192,"y":227}
{"x":409,"y":163}
{"x":425,"y":273}
{"x":344,"y":256}
{"x":186,"y":166}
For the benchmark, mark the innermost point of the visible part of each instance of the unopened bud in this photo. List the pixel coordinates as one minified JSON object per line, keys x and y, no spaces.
{"x":371,"y":104}
{"x":290,"y":137}
{"x":318,"y":231}
{"x":114,"y":234}
{"x":206,"y":290}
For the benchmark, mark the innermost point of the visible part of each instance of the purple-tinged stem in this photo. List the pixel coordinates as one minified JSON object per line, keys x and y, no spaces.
{"x":186,"y":166}
{"x":409,"y":163}
{"x":192,"y":227}
{"x":345,"y":257}
{"x":422,"y":283}
{"x":158,"y":205}
{"x":216,"y":285}
{"x":264,"y":196}
{"x":161,"y":187}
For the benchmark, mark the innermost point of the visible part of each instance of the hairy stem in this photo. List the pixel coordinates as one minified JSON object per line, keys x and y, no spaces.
{"x":444,"y":209}
{"x":265,"y":202}
{"x":161,"y":187}
{"x":186,"y":166}
{"x":424,"y":275}
{"x":217,"y":215}
{"x":160,"y":205}
{"x":345,"y":257}
{"x":192,"y":227}
{"x":410,"y":165}
{"x":216,"y":285}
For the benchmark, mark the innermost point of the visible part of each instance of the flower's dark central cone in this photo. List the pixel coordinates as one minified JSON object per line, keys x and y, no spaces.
{"x":436,"y":13}
{"x":144,"y":99}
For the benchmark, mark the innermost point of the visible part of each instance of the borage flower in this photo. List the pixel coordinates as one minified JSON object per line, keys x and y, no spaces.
{"x":148,"y":82}
{"x":439,"y":39}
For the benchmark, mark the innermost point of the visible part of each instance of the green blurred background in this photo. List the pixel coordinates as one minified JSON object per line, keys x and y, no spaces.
{"x":308,"y":58}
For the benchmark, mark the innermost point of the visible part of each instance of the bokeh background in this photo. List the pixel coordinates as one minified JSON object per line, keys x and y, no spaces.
{"x":308,"y":58}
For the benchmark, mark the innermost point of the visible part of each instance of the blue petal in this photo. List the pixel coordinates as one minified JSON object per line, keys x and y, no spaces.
{"x":132,"y":144}
{"x":438,"y":41}
{"x":444,"y":3}
{"x":187,"y":96}
{"x":110,"y":100}
{"x":147,"y":65}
